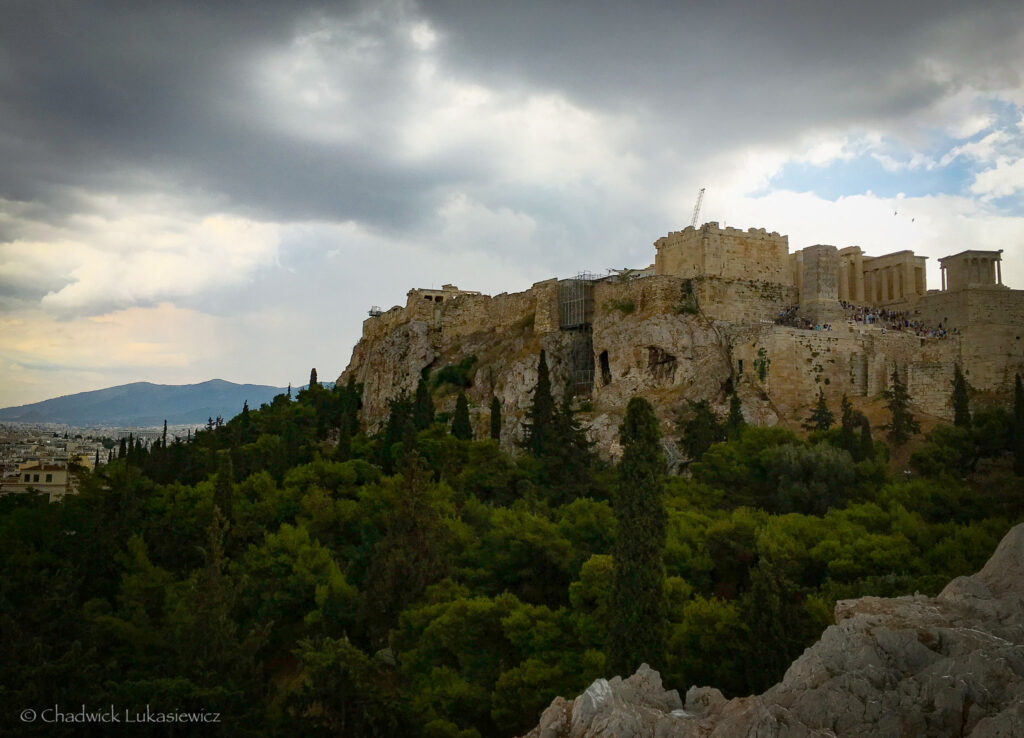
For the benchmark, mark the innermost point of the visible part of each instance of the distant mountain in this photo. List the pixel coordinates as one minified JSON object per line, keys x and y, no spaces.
{"x":146,"y":404}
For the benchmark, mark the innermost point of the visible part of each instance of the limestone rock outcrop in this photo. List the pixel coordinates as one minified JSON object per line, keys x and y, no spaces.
{"x":952,"y":665}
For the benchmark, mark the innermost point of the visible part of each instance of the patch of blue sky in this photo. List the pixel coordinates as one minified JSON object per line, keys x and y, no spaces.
{"x":863,"y":173}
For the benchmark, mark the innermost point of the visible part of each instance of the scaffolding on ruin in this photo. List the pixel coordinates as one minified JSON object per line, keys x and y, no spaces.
{"x":576,"y":313}
{"x":576,"y":301}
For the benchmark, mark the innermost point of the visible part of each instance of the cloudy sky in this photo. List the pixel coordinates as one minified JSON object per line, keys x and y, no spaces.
{"x":197,"y":190}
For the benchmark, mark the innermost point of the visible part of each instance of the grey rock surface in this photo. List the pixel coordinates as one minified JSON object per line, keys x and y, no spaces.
{"x":952,"y":665}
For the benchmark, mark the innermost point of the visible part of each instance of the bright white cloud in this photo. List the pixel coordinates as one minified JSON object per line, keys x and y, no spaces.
{"x":1006,"y":178}
{"x":110,"y":259}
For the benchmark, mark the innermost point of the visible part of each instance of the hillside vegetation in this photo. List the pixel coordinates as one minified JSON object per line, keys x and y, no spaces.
{"x":300,"y":578}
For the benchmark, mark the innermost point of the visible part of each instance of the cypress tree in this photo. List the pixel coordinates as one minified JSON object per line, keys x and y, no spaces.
{"x":637,"y":627}
{"x":848,"y":428}
{"x":866,"y":447}
{"x":399,"y":429}
{"x":422,"y":407}
{"x":122,"y":448}
{"x":734,"y":422}
{"x":165,"y":433}
{"x":495,"y":419}
{"x":903,"y":425}
{"x":540,"y":418}
{"x":961,"y":402}
{"x":461,"y":427}
{"x":821,"y":417}
{"x":1018,"y":426}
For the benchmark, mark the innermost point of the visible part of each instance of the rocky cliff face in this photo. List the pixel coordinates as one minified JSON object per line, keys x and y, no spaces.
{"x":641,"y":343}
{"x":952,"y":665}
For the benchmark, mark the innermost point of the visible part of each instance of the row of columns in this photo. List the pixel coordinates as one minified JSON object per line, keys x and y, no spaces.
{"x":976,"y":269}
{"x":876,"y":285}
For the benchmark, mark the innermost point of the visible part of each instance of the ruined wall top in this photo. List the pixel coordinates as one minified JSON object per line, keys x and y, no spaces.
{"x":730,"y":253}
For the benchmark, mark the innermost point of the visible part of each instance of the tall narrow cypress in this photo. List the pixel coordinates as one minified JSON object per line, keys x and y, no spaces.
{"x":540,"y":418}
{"x":1018,"y":426}
{"x":461,"y":427}
{"x":903,"y":425}
{"x":637,"y":627}
{"x":422,"y":406}
{"x":495,"y":419}
{"x":734,"y":422}
{"x":961,"y":402}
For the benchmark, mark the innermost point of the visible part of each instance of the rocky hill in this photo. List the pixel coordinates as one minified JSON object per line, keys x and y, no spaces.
{"x":952,"y":665}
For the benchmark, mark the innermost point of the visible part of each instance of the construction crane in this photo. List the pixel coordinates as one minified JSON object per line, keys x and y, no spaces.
{"x":696,"y":208}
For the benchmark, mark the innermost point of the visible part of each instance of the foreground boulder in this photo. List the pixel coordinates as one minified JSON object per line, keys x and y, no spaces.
{"x":951,"y":665}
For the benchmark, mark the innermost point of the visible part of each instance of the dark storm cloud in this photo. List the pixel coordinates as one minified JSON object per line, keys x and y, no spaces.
{"x":128,"y":96}
{"x":719,"y":71}
{"x":134,"y":96}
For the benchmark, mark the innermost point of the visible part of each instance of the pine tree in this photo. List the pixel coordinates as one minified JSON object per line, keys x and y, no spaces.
{"x":903,"y":425}
{"x":734,"y":422}
{"x":961,"y":402}
{"x":422,"y":407}
{"x":637,"y":627}
{"x":223,"y":492}
{"x":821,"y":417}
{"x":700,"y":431}
{"x":1018,"y":426}
{"x":540,"y":418}
{"x":312,"y":378}
{"x":495,"y":419}
{"x":461,"y":427}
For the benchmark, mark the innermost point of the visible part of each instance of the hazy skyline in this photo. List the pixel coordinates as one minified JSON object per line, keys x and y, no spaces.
{"x":222,"y":190}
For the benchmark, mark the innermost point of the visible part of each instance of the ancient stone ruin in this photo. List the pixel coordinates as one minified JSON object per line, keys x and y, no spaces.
{"x":720,"y":308}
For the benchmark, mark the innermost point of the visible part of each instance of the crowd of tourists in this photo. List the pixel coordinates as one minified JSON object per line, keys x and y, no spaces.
{"x":887,"y":320}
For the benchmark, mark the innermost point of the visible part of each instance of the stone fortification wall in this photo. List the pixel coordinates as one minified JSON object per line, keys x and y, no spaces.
{"x":724,"y":252}
{"x":742,"y":300}
{"x":793,"y":364}
{"x":657,"y":294}
{"x":729,"y":300}
{"x":989,"y":322}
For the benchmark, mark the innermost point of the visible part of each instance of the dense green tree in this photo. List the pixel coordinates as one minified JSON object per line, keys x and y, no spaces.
{"x":422,"y":406}
{"x":700,"y":430}
{"x":410,"y":555}
{"x":461,"y":427}
{"x":961,"y":402}
{"x":821,"y":417}
{"x":495,"y":419}
{"x":344,"y":692}
{"x":637,"y":628}
{"x":540,"y":417}
{"x":734,"y":422}
{"x":902,"y":425}
{"x":312,"y":378}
